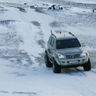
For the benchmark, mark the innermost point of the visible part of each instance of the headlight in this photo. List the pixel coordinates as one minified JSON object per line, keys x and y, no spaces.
{"x":61,"y":56}
{"x":83,"y":54}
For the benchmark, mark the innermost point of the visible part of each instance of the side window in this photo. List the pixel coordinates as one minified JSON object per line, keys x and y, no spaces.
{"x":53,"y":41}
{"x":49,"y":41}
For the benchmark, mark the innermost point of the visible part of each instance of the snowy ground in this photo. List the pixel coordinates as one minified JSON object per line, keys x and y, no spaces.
{"x":24,"y":31}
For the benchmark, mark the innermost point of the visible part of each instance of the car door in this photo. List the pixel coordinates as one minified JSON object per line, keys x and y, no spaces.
{"x":48,"y":45}
{"x":51,"y":47}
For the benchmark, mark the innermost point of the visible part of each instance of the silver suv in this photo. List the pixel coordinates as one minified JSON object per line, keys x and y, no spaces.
{"x":64,"y":50}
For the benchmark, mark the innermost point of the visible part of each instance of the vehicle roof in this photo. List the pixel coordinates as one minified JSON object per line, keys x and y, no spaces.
{"x":63,"y":35}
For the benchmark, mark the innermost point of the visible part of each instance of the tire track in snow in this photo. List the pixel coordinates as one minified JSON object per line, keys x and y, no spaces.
{"x":3,"y":92}
{"x":9,"y":47}
{"x":40,"y":41}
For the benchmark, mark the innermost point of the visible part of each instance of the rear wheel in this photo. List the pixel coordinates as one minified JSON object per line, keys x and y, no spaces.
{"x":47,"y":62}
{"x":87,"y":66}
{"x":56,"y":67}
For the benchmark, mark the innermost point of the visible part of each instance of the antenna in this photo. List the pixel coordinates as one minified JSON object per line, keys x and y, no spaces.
{"x":71,"y":34}
{"x":51,"y":32}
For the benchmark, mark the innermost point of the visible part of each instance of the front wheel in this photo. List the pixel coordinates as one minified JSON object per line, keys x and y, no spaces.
{"x":47,"y":62}
{"x":56,"y":67}
{"x":87,"y":66}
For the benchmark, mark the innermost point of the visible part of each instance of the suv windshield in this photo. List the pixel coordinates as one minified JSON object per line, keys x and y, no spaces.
{"x":67,"y":43}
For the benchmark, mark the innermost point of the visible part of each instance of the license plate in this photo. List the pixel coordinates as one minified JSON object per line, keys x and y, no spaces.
{"x":73,"y":62}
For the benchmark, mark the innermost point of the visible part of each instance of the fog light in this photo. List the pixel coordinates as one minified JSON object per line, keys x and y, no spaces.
{"x":67,"y":61}
{"x":83,"y":60}
{"x":63,"y":61}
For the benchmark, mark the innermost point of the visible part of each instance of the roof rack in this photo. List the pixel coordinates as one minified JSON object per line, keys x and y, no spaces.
{"x":71,"y":34}
{"x":52,"y":33}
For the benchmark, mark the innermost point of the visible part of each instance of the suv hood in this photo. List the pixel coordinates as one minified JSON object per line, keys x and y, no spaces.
{"x":70,"y":50}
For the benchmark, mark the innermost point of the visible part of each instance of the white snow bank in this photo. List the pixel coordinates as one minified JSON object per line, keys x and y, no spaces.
{"x":83,"y":1}
{"x":27,"y":30}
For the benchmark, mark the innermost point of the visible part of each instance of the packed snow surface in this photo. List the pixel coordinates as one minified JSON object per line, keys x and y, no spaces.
{"x":24,"y":30}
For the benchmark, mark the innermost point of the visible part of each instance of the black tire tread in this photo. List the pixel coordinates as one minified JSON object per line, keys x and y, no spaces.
{"x":47,"y":62}
{"x":56,"y":67}
{"x":87,"y":66}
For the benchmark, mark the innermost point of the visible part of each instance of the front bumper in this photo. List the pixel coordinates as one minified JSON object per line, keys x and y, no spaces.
{"x":70,"y":62}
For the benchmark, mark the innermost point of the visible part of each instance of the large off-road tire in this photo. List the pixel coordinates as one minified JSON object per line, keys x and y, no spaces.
{"x":87,"y":66}
{"x":56,"y":67}
{"x":49,"y":8}
{"x":47,"y":62}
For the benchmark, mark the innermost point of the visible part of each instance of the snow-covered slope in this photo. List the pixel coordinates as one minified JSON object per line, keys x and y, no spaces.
{"x":83,"y":1}
{"x":24,"y":32}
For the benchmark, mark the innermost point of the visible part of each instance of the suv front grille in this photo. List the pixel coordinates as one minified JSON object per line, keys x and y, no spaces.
{"x":72,"y":56}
